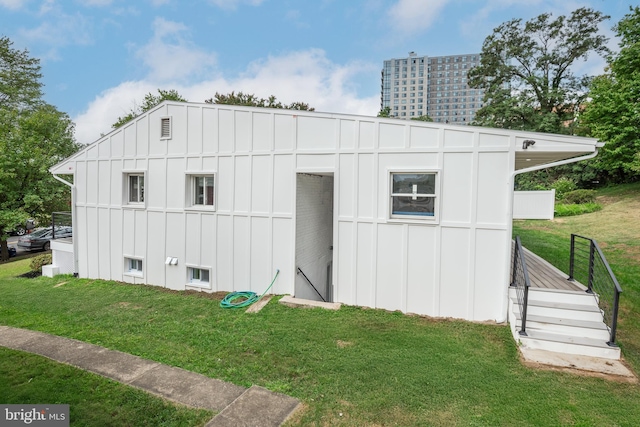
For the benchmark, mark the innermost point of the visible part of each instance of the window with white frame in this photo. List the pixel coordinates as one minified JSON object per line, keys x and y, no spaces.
{"x":198,"y":276}
{"x":135,"y":188}
{"x":133,"y":266}
{"x":413,"y":195}
{"x":202,"y":190}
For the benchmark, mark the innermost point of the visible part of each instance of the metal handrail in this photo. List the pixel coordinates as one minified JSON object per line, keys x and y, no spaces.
{"x":309,"y":282}
{"x":520,"y":281}
{"x":600,"y":280}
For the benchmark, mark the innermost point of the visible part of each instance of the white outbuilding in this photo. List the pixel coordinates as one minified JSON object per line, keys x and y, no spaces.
{"x":386,"y":213}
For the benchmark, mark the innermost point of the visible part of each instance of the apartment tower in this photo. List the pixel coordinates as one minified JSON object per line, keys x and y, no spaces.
{"x":434,"y":86}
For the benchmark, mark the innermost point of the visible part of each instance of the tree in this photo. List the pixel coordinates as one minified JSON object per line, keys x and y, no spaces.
{"x":33,"y":137}
{"x":385,"y":112}
{"x":525,"y":71}
{"x":423,"y":118}
{"x":150,"y":101}
{"x":20,"y":85}
{"x":613,"y":115}
{"x":250,"y":100}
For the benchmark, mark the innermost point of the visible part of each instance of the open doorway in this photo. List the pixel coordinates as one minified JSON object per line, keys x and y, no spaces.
{"x":314,"y":236}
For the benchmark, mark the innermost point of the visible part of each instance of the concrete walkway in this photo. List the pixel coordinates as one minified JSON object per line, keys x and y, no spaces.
{"x":236,"y":406}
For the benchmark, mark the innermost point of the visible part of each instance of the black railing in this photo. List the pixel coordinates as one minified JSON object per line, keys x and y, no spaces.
{"x":520,"y":281}
{"x":589,"y":266}
{"x":309,"y":282}
{"x":61,"y":221}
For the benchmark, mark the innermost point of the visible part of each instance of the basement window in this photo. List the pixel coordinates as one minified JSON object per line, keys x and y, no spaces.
{"x":413,"y":195}
{"x":133,"y":267}
{"x":165,"y":128}
{"x":198,"y":277}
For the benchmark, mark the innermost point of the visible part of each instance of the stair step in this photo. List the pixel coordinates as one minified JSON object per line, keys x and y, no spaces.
{"x":568,"y":344}
{"x":563,"y":310}
{"x":576,"y":323}
{"x":562,"y":295}
{"x":564,"y":306}
{"x":570,"y":327}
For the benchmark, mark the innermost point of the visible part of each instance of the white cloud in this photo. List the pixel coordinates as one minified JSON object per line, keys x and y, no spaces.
{"x":57,"y":29}
{"x":13,"y":4}
{"x":414,"y":16}
{"x":170,"y":56}
{"x":305,"y":76}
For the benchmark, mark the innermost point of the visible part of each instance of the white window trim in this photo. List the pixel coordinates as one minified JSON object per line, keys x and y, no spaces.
{"x":133,"y":273}
{"x":162,"y":120}
{"x":125,"y":189}
{"x":198,"y":283}
{"x":190,"y":191}
{"x":415,"y":219}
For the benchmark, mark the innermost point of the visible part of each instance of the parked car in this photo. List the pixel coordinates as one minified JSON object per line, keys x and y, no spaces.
{"x":40,"y":239}
{"x":18,"y":231}
{"x":22,"y":229}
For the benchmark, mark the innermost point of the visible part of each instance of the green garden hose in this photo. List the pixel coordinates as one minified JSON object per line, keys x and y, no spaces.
{"x":244,"y":298}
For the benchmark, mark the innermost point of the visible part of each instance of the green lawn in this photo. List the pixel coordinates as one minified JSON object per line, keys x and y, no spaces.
{"x":356,"y":367}
{"x":93,"y":400}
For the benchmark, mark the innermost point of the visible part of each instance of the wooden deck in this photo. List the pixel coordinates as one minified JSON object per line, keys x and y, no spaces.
{"x":544,"y":275}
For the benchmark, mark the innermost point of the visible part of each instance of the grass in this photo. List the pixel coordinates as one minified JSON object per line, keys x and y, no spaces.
{"x":616,"y":228}
{"x":562,"y":209}
{"x":93,"y":400}
{"x":354,"y":367}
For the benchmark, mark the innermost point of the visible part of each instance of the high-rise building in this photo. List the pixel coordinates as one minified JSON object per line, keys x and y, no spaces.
{"x":433,"y":86}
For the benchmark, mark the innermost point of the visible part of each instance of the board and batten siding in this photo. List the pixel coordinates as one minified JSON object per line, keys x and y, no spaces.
{"x":457,"y":267}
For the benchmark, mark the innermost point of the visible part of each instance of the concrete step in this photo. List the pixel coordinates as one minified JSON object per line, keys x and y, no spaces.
{"x":563,"y":296}
{"x":570,"y":327}
{"x":570,"y":345}
{"x":563,"y":310}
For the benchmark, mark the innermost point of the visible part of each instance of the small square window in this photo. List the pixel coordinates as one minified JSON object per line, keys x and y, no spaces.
{"x":133,"y":266}
{"x":198,"y":276}
{"x":413,"y":195}
{"x":135,"y":188}
{"x":201,"y":191}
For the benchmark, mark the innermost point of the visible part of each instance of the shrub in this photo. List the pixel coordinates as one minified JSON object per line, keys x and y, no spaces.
{"x":39,"y":261}
{"x":579,"y":197}
{"x":573,"y":209}
{"x":563,"y":185}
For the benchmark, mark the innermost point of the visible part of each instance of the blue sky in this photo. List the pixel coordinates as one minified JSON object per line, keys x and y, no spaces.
{"x":99,"y":57}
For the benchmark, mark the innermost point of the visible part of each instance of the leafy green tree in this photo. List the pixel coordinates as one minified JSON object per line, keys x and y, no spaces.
{"x":385,"y":112}
{"x":33,"y":137}
{"x":613,"y":115}
{"x":20,"y":86}
{"x":251,"y":100}
{"x":423,"y":118}
{"x":150,"y":100}
{"x":525,"y":71}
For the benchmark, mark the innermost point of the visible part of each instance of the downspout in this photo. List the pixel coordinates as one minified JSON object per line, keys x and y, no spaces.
{"x":74,"y":240}
{"x":510,"y":227}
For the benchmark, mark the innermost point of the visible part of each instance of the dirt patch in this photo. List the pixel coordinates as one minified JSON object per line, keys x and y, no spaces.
{"x":126,"y":304}
{"x":343,"y":344}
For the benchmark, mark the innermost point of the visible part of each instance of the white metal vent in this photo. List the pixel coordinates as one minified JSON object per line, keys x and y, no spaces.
{"x":165,"y":127}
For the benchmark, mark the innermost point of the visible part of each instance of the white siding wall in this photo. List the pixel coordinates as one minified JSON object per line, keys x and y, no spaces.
{"x":456,"y":267}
